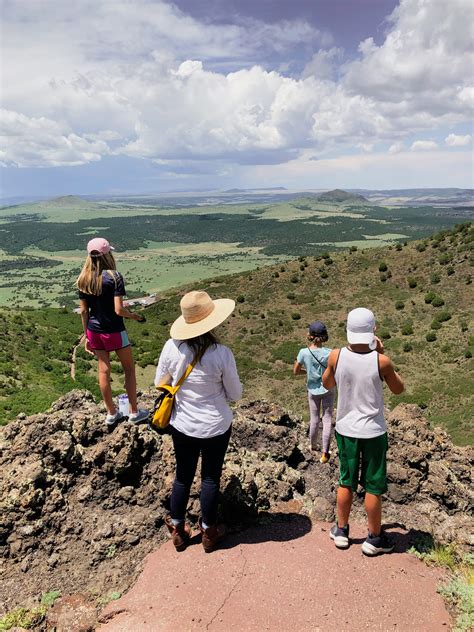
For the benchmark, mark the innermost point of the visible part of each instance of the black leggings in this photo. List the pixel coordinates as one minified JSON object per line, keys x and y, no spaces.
{"x":187,"y":450}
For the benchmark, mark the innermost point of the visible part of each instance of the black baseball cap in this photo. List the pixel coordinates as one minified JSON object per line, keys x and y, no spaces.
{"x":317,"y":328}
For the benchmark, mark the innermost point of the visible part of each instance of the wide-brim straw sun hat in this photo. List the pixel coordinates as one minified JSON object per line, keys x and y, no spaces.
{"x":200,"y":314}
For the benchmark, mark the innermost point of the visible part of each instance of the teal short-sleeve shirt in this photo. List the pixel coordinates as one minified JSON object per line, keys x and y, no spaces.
{"x":314,"y":369}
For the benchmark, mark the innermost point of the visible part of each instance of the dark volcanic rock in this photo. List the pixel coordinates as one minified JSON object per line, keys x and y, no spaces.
{"x":82,"y":506}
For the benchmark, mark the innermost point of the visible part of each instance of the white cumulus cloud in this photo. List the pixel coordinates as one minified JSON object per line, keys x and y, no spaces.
{"x":396,"y":148}
{"x":455,"y":140}
{"x":423,"y":145}
{"x":39,"y":142}
{"x":145,"y":80}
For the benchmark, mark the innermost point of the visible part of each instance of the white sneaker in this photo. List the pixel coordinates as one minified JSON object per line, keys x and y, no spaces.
{"x":111,"y":420}
{"x":139,"y":416}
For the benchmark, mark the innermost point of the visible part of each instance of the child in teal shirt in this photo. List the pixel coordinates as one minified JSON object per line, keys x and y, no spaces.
{"x":313,"y":360}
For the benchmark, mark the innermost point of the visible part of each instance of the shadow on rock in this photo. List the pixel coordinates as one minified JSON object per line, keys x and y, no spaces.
{"x":275,"y":527}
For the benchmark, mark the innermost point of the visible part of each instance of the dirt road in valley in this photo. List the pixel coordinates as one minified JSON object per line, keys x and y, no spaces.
{"x":73,"y":357}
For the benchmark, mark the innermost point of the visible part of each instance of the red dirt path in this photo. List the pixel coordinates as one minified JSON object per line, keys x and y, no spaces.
{"x":281,"y":577}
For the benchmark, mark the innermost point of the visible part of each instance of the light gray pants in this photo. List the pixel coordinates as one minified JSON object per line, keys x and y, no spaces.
{"x":320,"y":406}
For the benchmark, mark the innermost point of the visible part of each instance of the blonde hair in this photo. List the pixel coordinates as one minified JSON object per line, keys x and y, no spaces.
{"x":90,"y":279}
{"x":318,"y":339}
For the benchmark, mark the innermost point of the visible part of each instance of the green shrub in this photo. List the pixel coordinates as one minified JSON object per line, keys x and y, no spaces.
{"x":286,"y":352}
{"x":450,"y":271}
{"x":398,"y":247}
{"x":420,"y":247}
{"x":325,"y":255}
{"x":324,"y":274}
{"x":429,"y":297}
{"x":407,"y":347}
{"x":407,"y":329}
{"x":328,"y":261}
{"x":399,"y":305}
{"x":383,"y":267}
{"x":240,"y":298}
{"x":291,"y":295}
{"x":295,"y":316}
{"x":382,"y":332}
{"x":294,"y":278}
{"x":353,"y":249}
{"x":435,"y":324}
{"x":430,"y":336}
{"x":412,"y":283}
{"x":468,"y":353}
{"x":435,"y":278}
{"x":443,"y":316}
{"x":444,"y":259}
{"x":383,"y":278}
{"x":437,"y":301}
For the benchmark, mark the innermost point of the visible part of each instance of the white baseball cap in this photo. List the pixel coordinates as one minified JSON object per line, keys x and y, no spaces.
{"x":361,"y":327}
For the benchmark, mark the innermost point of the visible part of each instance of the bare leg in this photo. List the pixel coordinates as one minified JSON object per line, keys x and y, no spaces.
{"x":126,"y":359}
{"x":104,"y":380}
{"x":373,"y":507}
{"x":344,"y":504}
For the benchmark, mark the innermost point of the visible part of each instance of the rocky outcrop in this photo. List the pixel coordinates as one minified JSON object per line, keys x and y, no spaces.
{"x":81,"y":506}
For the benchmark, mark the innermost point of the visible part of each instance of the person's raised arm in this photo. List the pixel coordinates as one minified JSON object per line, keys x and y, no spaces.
{"x":120,"y":310}
{"x":388,"y":373}
{"x":329,"y":378}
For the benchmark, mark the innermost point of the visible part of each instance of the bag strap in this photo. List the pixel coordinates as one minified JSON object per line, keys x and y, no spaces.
{"x":189,"y":368}
{"x":318,"y":361}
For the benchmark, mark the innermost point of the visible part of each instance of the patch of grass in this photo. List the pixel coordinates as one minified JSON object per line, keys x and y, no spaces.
{"x":48,"y":598}
{"x":27,"y":618}
{"x":458,"y":590}
{"x":111,"y":596}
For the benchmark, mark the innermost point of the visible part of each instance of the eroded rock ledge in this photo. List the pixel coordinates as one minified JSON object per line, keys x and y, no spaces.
{"x":81,"y":507}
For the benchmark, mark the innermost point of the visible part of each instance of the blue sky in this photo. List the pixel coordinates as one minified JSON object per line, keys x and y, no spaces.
{"x":137,"y":96}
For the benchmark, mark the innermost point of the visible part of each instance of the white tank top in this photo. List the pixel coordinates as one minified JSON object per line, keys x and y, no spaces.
{"x":360,"y":408}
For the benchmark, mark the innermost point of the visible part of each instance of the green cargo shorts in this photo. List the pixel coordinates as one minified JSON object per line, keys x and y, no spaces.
{"x":363,"y":461}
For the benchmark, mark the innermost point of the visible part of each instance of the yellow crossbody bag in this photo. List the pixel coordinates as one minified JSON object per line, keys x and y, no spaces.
{"x":165,"y":401}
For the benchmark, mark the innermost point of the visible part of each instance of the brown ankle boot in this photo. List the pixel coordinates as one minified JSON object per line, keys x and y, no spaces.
{"x":211,"y":536}
{"x":180,"y":534}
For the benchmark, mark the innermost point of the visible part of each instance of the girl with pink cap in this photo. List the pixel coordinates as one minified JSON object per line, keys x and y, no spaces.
{"x":101,"y":292}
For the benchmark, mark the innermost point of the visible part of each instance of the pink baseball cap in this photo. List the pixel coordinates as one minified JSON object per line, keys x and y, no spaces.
{"x":99,"y":245}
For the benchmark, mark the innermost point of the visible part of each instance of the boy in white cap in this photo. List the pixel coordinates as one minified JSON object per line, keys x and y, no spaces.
{"x":359,"y":371}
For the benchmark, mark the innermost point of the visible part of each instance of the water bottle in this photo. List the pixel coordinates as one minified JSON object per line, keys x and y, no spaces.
{"x":123,"y":405}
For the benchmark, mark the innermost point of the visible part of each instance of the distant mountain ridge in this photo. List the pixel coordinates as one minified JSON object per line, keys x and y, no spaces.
{"x":338,"y":195}
{"x":68,"y":201}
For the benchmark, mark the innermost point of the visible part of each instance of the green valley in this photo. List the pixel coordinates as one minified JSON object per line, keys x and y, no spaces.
{"x":420,"y":292}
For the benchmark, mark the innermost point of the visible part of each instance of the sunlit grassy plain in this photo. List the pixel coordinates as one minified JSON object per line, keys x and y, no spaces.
{"x":161,"y":265}
{"x":249,"y":252}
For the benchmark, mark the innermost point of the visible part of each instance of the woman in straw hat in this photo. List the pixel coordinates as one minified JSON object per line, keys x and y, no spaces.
{"x":101,"y":291}
{"x":201,"y":419}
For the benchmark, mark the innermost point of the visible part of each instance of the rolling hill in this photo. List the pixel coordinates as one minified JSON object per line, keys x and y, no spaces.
{"x":419,"y":291}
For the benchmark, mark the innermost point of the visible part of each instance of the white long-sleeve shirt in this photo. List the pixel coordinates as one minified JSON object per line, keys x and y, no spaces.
{"x":201,"y":406}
